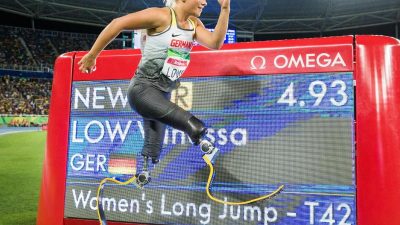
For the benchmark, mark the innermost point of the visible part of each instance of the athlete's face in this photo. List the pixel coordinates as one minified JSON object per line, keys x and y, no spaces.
{"x":196,"y":6}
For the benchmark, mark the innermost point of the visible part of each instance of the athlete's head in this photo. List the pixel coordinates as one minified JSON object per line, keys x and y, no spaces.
{"x":193,"y":7}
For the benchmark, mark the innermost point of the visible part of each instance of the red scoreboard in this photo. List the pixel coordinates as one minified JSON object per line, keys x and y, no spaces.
{"x":318,"y":115}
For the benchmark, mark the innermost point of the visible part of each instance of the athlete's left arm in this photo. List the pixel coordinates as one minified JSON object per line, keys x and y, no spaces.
{"x":214,"y":40}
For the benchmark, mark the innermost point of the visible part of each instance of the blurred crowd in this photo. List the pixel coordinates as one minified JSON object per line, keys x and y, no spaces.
{"x":29,"y":49}
{"x":24,"y":49}
{"x":24,"y":95}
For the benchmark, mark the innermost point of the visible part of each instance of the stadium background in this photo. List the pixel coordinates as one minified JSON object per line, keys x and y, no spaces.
{"x":34,"y":33}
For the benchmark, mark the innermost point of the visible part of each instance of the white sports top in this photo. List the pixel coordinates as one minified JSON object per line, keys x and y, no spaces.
{"x":166,"y":55}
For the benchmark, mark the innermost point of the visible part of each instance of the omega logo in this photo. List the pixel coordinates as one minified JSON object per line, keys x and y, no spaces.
{"x":258,"y":62}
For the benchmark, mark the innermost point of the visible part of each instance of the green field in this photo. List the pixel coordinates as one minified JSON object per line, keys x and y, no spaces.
{"x":21,"y":160}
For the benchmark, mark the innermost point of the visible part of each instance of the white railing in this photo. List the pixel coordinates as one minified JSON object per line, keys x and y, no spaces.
{"x":42,"y":68}
{"x":53,"y":33}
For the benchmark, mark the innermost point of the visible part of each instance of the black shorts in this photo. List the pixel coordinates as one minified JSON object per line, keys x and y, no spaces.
{"x":157,"y":111}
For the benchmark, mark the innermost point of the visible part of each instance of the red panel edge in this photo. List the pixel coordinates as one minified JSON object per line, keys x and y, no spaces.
{"x":334,"y":40}
{"x":377,"y":128}
{"x":51,"y":201}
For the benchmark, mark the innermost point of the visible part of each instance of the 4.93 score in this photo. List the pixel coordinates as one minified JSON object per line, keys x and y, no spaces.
{"x":317,"y":91}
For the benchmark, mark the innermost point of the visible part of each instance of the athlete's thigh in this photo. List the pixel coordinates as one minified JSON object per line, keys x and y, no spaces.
{"x":154,"y":104}
{"x":149,"y":102}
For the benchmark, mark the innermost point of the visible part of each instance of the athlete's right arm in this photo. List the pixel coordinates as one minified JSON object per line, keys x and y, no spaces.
{"x":150,"y":18}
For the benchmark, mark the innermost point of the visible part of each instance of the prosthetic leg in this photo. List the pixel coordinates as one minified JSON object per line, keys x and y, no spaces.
{"x":210,"y":154}
{"x":144,"y":177}
{"x":215,"y":199}
{"x":193,"y":127}
{"x":209,"y":150}
{"x":197,"y":132}
{"x":99,"y":196}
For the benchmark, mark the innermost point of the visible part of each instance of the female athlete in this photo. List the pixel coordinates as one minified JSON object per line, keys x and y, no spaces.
{"x":170,"y":32}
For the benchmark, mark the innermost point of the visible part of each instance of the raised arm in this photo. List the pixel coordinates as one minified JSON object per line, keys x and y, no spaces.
{"x":214,"y":40}
{"x":151,"y":18}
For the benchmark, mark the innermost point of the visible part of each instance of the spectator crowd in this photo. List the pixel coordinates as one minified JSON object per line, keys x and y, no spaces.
{"x":24,"y":49}
{"x":24,"y":95}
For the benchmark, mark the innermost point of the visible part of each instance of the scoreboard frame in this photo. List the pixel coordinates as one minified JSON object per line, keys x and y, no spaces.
{"x":374,"y":61}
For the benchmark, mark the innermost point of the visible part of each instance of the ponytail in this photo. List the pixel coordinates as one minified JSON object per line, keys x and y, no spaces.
{"x":169,"y":3}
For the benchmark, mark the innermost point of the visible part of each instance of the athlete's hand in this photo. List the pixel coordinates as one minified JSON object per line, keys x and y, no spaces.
{"x":225,"y":4}
{"x":87,"y":64}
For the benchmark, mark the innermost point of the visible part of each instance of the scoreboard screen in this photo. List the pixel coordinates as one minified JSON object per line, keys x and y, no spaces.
{"x":230,"y":36}
{"x":290,"y":129}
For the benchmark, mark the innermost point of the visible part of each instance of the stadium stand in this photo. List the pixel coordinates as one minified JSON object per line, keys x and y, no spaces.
{"x":34,"y":49}
{"x":24,"y":95}
{"x":25,"y":54}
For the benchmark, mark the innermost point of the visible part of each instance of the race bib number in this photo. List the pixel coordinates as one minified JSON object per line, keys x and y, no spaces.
{"x":175,"y":64}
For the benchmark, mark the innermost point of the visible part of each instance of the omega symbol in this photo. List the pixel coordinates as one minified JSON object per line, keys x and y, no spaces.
{"x":255,"y":62}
